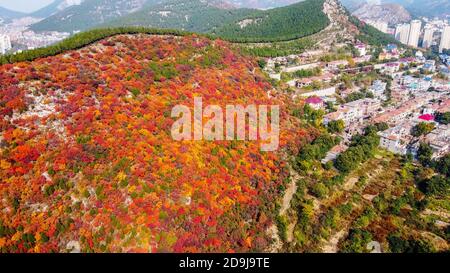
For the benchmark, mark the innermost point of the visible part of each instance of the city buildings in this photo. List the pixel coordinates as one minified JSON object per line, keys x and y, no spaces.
{"x":361,"y":48}
{"x":414,"y":33}
{"x":355,"y":111}
{"x":428,"y":37}
{"x":315,"y":102}
{"x":397,"y":138}
{"x":5,"y":44}
{"x":439,"y":140}
{"x":410,"y":34}
{"x":402,"y":33}
{"x":378,"y":89}
{"x":445,"y":40}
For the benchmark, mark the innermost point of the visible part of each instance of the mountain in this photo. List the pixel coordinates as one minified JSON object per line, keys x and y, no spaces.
{"x":429,"y":8}
{"x":389,"y":13}
{"x":54,"y":7}
{"x":263,"y":4}
{"x":88,"y":14}
{"x":89,"y":164}
{"x":7,"y":14}
{"x":285,"y":23}
{"x":191,"y":15}
{"x":353,"y":5}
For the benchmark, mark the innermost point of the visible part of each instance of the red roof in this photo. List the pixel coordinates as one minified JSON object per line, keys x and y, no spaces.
{"x":427,"y":117}
{"x":314,"y":100}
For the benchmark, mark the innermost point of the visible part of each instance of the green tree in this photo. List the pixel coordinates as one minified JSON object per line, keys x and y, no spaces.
{"x":424,"y":154}
{"x":320,"y":190}
{"x":437,"y":185}
{"x":443,"y":118}
{"x":422,"y":128}
{"x":336,"y":126}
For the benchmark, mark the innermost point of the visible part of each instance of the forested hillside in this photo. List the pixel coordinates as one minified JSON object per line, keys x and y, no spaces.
{"x":192,"y":15}
{"x":83,"y":39}
{"x":88,"y":14}
{"x":88,"y":163}
{"x":285,"y":23}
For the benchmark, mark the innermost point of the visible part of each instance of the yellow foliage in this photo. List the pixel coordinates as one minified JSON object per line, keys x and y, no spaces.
{"x":121,"y":176}
{"x":5,"y":165}
{"x":144,"y":132}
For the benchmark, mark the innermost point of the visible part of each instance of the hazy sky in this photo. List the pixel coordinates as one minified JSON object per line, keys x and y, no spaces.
{"x":24,"y":5}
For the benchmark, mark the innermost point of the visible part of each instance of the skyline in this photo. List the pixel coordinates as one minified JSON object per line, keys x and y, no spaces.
{"x":24,"y":5}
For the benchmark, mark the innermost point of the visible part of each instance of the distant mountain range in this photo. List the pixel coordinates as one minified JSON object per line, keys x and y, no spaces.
{"x":262,"y":4}
{"x":88,"y":14}
{"x":7,"y":15}
{"x":77,"y":15}
{"x":54,"y":7}
{"x":230,"y":22}
{"x":389,"y":13}
{"x":222,"y":16}
{"x":106,"y":9}
{"x":192,"y":15}
{"x":429,"y":8}
{"x":426,"y":7}
{"x":227,"y":17}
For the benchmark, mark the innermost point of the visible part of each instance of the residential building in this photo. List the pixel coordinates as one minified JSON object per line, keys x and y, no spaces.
{"x":361,"y":49}
{"x":5,"y":44}
{"x":430,"y":66}
{"x":337,"y":64}
{"x":445,"y":39}
{"x":330,"y":91}
{"x":414,"y":33}
{"x":439,"y":141}
{"x":402,"y":33}
{"x":292,"y":69}
{"x":354,"y":112}
{"x":428,"y":37}
{"x":315,"y":102}
{"x":378,"y":89}
{"x":334,"y":152}
{"x":397,"y":139}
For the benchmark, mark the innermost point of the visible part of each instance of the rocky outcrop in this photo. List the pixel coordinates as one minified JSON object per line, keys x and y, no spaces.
{"x":389,"y":13}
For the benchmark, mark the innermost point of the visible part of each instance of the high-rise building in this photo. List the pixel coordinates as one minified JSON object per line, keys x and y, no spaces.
{"x":5,"y":44}
{"x":414,"y":33}
{"x":402,"y":33}
{"x":445,"y":40}
{"x":428,"y":37}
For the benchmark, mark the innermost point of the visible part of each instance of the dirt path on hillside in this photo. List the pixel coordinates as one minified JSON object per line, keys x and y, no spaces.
{"x":285,"y":206}
{"x":290,"y":191}
{"x":332,"y":245}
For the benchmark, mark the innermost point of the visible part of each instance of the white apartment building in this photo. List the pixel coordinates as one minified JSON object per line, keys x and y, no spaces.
{"x":445,"y":40}
{"x":330,"y":91}
{"x":402,"y":33}
{"x":428,"y":37}
{"x":378,"y":88}
{"x":361,"y":49}
{"x":414,"y":33}
{"x":5,"y":44}
{"x":354,"y":112}
{"x":397,"y":139}
{"x":439,"y":140}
